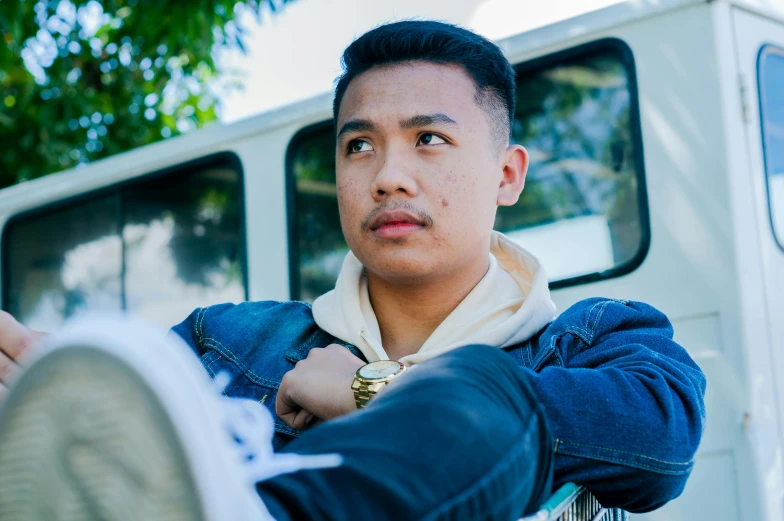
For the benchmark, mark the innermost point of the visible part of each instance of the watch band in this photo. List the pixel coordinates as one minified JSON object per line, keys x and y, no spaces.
{"x":362,"y":395}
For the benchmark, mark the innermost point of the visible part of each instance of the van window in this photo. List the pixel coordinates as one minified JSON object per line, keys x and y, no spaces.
{"x":583,"y":211}
{"x":771,"y":84}
{"x":159,"y":246}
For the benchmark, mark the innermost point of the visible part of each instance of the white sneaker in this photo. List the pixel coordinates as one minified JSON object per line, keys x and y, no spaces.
{"x":111,"y":420}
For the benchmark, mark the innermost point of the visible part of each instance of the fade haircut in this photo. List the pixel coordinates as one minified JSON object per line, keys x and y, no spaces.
{"x":441,"y":43}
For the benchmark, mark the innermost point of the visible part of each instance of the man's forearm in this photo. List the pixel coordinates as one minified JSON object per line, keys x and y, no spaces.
{"x":645,"y":454}
{"x":625,"y":403}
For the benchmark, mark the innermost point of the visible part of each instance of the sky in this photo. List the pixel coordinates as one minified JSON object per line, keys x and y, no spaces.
{"x":296,"y":54}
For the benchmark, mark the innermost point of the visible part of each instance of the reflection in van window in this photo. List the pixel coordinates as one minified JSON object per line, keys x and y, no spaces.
{"x":771,"y":72}
{"x":159,"y":247}
{"x":64,"y":261}
{"x":580,"y":212}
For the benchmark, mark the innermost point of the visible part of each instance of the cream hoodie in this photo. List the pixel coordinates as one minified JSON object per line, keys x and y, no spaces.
{"x":508,"y":306}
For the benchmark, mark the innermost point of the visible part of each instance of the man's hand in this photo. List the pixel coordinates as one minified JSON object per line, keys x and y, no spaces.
{"x":318,"y":387}
{"x":15,"y":342}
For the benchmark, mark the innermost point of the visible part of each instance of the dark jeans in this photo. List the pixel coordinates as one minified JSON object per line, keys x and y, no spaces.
{"x":460,"y":437}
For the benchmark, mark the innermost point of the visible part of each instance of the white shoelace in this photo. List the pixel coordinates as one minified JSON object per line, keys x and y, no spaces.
{"x":253,"y":428}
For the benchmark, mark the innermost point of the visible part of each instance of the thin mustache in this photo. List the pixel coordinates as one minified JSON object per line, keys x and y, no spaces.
{"x":410,"y":208}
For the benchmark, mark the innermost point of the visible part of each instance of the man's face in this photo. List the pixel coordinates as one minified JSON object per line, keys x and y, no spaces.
{"x":419,"y":172}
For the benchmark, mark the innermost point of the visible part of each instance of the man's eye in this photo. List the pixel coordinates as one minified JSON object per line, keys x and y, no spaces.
{"x":359,"y":145}
{"x":431,"y":139}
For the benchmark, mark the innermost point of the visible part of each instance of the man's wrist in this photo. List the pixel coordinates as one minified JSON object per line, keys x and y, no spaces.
{"x":349,"y":401}
{"x":374,"y":377}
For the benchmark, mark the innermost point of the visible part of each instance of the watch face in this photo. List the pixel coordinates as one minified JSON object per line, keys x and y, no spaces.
{"x":380,"y":370}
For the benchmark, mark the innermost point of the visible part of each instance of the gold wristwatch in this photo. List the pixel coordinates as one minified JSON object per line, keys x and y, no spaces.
{"x":373,"y":377}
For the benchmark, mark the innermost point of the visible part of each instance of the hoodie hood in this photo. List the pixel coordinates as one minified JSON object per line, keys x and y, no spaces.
{"x":508,"y":306}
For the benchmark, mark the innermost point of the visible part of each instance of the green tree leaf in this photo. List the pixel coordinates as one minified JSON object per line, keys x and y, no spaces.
{"x":84,"y":79}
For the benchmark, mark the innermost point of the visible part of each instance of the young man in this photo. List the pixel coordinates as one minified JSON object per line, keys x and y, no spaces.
{"x":501,"y":400}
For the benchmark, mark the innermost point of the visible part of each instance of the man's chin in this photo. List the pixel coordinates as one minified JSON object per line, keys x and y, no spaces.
{"x":400,"y":269}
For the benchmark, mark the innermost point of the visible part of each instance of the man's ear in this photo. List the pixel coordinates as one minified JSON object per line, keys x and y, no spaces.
{"x":515,"y":167}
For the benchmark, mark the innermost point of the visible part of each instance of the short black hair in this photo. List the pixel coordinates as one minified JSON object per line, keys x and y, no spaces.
{"x":441,"y":43}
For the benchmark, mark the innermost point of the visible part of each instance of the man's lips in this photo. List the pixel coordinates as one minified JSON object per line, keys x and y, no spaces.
{"x":396,"y":230}
{"x":394,"y":218}
{"x":394,"y":225}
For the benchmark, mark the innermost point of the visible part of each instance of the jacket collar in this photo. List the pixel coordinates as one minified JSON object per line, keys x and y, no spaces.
{"x":319,"y":338}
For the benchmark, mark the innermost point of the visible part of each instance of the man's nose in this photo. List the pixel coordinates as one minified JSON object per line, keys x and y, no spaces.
{"x":394,"y":178}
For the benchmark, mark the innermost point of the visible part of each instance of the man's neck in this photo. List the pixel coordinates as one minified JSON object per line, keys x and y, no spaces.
{"x":408,"y":314}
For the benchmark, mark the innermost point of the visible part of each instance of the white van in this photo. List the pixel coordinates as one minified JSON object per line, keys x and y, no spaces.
{"x":656,"y":131}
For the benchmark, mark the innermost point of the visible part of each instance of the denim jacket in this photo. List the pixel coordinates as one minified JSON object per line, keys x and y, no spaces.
{"x":623,"y":401}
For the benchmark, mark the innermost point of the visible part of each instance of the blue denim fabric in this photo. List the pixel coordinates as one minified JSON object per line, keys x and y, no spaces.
{"x":428,"y":449}
{"x":623,"y":401}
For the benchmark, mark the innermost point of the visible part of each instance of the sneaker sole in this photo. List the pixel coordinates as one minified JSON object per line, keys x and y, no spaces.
{"x":84,"y":437}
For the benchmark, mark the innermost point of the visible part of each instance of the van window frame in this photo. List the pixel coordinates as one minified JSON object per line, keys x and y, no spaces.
{"x":607,"y":45}
{"x":765,"y":50}
{"x":226,"y":159}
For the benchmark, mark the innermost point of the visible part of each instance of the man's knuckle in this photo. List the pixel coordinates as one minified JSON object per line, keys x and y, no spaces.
{"x":17,"y":346}
{"x":23,"y":343}
{"x":5,"y":370}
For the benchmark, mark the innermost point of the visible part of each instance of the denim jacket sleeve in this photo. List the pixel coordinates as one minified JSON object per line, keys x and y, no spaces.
{"x":624,"y":402}
{"x":254,"y":344}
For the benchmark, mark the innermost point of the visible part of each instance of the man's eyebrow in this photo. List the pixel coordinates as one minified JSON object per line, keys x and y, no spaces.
{"x":424,"y":120}
{"x":356,"y":125}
